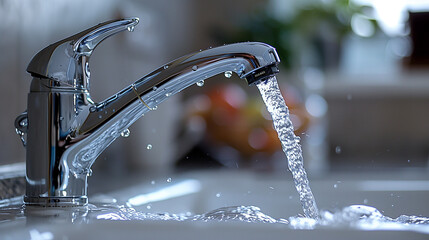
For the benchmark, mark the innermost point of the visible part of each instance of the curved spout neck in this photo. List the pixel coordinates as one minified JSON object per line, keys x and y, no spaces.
{"x":252,"y":61}
{"x":106,"y":120}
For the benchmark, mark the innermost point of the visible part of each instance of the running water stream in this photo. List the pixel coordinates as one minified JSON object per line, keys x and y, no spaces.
{"x":276,"y":106}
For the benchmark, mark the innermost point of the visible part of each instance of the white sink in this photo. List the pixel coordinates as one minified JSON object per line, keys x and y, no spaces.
{"x":201,"y":192}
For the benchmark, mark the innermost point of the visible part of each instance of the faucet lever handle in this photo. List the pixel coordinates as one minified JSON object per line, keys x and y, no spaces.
{"x":66,"y":61}
{"x":84,"y":42}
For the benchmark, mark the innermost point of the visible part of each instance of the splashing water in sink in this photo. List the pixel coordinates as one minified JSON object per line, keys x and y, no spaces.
{"x":362,"y":217}
{"x":290,"y":143}
{"x":354,"y":217}
{"x":234,"y":213}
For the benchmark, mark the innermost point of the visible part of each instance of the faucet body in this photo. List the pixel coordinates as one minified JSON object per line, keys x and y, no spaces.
{"x":66,"y":130}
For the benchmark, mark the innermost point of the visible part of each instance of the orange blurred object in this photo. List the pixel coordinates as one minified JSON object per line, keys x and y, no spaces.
{"x":235,"y":119}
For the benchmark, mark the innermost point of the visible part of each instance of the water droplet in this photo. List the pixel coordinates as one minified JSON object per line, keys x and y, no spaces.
{"x":154,"y":108}
{"x":24,"y":122}
{"x":365,"y":201}
{"x":169,"y":179}
{"x":166,"y":66}
{"x":154,"y":88}
{"x":131,"y":28}
{"x":336,"y":185}
{"x":99,"y":116}
{"x":152,"y":182}
{"x":272,"y":188}
{"x":200,"y":83}
{"x":149,"y":206}
{"x":92,"y":109}
{"x":125,"y":133}
{"x":194,"y":68}
{"x":168,"y":94}
{"x":87,"y":70}
{"x":409,"y":160}
{"x":113,"y":110}
{"x":61,"y":118}
{"x":337,"y":149}
{"x":228,"y":74}
{"x":218,"y":194}
{"x":149,"y":147}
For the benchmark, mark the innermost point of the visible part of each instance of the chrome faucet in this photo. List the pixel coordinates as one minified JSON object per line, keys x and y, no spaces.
{"x":64,"y":130}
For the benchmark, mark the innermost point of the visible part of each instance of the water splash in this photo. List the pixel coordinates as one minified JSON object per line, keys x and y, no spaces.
{"x":361,"y":217}
{"x":249,"y":214}
{"x":351,"y":217}
{"x":279,"y":112}
{"x":128,"y":213}
{"x":355,"y":217}
{"x":238,"y":213}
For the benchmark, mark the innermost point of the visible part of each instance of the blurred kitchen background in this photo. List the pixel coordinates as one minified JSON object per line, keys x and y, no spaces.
{"x":355,"y":75}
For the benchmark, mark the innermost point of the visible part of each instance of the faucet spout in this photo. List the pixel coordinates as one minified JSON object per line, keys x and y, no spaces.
{"x":252,"y":61}
{"x":67,"y":130}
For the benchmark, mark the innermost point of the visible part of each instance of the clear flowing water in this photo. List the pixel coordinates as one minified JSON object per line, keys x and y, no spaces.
{"x":276,"y":106}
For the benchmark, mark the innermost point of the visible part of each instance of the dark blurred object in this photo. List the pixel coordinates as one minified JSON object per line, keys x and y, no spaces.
{"x":419,"y":23}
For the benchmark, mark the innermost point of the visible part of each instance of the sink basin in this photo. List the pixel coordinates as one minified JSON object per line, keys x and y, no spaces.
{"x":200,"y":192}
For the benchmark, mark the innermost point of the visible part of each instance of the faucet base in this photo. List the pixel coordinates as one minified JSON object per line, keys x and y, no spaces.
{"x":56,"y":201}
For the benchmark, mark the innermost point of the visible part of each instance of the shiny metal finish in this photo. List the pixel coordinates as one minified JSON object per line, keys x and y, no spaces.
{"x":66,"y":130}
